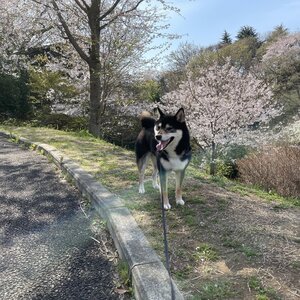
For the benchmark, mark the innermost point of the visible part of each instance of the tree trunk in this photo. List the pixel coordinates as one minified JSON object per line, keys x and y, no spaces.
{"x":95,"y":70}
{"x":213,"y":159}
{"x":95,"y":104}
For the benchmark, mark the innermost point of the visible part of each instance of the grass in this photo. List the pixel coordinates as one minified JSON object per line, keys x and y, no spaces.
{"x":124,"y":272}
{"x":215,"y":290}
{"x":206,"y":252}
{"x":125,"y":284}
{"x":261,"y":292}
{"x":244,"y":190}
{"x":198,"y":235}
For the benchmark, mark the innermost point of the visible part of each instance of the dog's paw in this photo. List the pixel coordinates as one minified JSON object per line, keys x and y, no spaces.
{"x":141,"y":189}
{"x":167,"y":206}
{"x":179,"y":202}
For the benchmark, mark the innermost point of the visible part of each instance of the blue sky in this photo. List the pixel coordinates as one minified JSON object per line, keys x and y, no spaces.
{"x":204,"y":21}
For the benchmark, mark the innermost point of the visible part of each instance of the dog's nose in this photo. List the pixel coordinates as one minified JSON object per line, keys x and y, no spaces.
{"x":158,"y":137}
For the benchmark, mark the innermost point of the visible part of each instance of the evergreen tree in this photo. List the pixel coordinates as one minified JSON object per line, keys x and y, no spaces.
{"x":247,"y":32}
{"x":226,"y":39}
{"x":278,"y":32}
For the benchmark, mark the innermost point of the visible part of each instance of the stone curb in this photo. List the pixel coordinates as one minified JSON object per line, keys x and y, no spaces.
{"x":150,"y":278}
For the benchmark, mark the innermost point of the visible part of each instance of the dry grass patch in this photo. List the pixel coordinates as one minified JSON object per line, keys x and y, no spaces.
{"x":274,"y":169}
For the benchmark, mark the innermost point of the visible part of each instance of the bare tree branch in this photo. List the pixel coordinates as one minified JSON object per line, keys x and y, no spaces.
{"x":120,"y":14}
{"x":84,"y":7}
{"x":69,"y":34}
{"x":109,"y":11}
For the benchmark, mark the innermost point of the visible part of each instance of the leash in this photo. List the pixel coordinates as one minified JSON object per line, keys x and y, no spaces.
{"x":166,"y":247}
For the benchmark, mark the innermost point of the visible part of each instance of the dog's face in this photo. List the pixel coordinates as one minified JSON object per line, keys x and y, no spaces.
{"x":168,"y":130}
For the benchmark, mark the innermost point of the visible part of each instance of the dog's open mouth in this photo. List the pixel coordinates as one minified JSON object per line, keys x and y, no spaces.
{"x":163,"y":144}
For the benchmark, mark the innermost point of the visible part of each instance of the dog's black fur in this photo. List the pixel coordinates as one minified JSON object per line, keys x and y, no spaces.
{"x":167,"y":142}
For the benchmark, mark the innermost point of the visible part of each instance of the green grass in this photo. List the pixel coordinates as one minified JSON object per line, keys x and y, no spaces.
{"x":118,"y":164}
{"x":248,"y":251}
{"x":124,"y":272}
{"x":261,"y":292}
{"x":206,"y":252}
{"x":112,"y":165}
{"x":216,"y":290}
{"x":245,"y":190}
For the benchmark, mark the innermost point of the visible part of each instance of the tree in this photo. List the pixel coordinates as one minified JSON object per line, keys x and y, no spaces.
{"x":221,"y":104}
{"x":226,"y":39}
{"x":48,"y":88}
{"x":108,"y":38}
{"x":246,"y":32}
{"x":281,"y":68}
{"x":242,"y":53}
{"x":278,"y":32}
{"x":22,"y":26}
{"x":149,"y":90}
{"x":106,"y":34}
{"x":178,"y":60}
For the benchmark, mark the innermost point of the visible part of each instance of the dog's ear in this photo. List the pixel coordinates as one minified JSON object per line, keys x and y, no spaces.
{"x":161,"y":114}
{"x":180,"y":117}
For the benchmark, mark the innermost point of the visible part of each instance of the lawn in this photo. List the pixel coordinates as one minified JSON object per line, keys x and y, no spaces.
{"x":228,"y":242}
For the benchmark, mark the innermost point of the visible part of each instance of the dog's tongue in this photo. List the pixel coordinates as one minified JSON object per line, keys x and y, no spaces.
{"x":161,"y":145}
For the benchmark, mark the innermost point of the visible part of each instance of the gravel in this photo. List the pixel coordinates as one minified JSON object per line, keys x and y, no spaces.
{"x":47,"y":250}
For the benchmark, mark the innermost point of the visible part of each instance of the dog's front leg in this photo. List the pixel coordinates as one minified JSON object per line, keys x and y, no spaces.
{"x":179,"y":175}
{"x":142,"y":164}
{"x":163,"y":176}
{"x":155,"y":172}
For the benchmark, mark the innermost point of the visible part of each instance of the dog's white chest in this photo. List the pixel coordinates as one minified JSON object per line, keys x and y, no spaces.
{"x":174,"y":164}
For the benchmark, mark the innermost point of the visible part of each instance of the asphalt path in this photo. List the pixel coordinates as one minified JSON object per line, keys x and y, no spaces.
{"x":47,"y":250}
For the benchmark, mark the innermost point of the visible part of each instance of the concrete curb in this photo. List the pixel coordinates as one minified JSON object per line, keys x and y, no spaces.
{"x":149,"y":276}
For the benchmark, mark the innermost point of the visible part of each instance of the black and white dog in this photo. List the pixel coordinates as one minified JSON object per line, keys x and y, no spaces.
{"x":167,"y":142}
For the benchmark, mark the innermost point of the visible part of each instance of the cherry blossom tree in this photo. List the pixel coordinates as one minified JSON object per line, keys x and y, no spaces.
{"x":23,"y":26}
{"x":281,"y":65}
{"x":221,"y":105}
{"x":108,"y":37}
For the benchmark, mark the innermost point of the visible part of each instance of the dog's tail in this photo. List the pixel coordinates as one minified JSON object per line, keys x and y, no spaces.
{"x":146,"y":120}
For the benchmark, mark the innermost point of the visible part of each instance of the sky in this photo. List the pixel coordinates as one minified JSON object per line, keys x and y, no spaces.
{"x":203,"y":21}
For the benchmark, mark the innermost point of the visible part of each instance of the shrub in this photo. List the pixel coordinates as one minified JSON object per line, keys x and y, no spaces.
{"x":63,"y":122}
{"x":226,"y":161}
{"x":274,"y":168}
{"x":14,"y":96}
{"x":120,"y":130}
{"x":226,"y":168}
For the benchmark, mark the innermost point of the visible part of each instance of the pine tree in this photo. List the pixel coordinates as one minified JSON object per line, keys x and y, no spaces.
{"x":226,"y":39}
{"x":246,"y":32}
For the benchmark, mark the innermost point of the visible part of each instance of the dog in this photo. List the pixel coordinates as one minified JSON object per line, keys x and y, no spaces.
{"x":166,"y":142}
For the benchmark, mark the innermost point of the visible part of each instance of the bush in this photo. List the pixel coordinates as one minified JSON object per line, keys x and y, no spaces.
{"x":120,"y":129}
{"x":63,"y":122}
{"x":226,"y":161}
{"x":226,"y":168}
{"x":274,"y":169}
{"x":14,"y":96}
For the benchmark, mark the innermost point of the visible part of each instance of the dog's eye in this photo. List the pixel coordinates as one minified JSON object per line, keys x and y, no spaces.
{"x":158,"y":127}
{"x":169,"y":128}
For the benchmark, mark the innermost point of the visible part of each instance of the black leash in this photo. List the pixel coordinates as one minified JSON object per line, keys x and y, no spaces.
{"x":166,"y":247}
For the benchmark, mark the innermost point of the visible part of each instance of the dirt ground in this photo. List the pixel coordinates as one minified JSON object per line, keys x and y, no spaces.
{"x":227,"y":246}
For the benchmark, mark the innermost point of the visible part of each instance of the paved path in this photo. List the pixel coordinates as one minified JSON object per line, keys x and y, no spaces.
{"x":46,"y":249}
